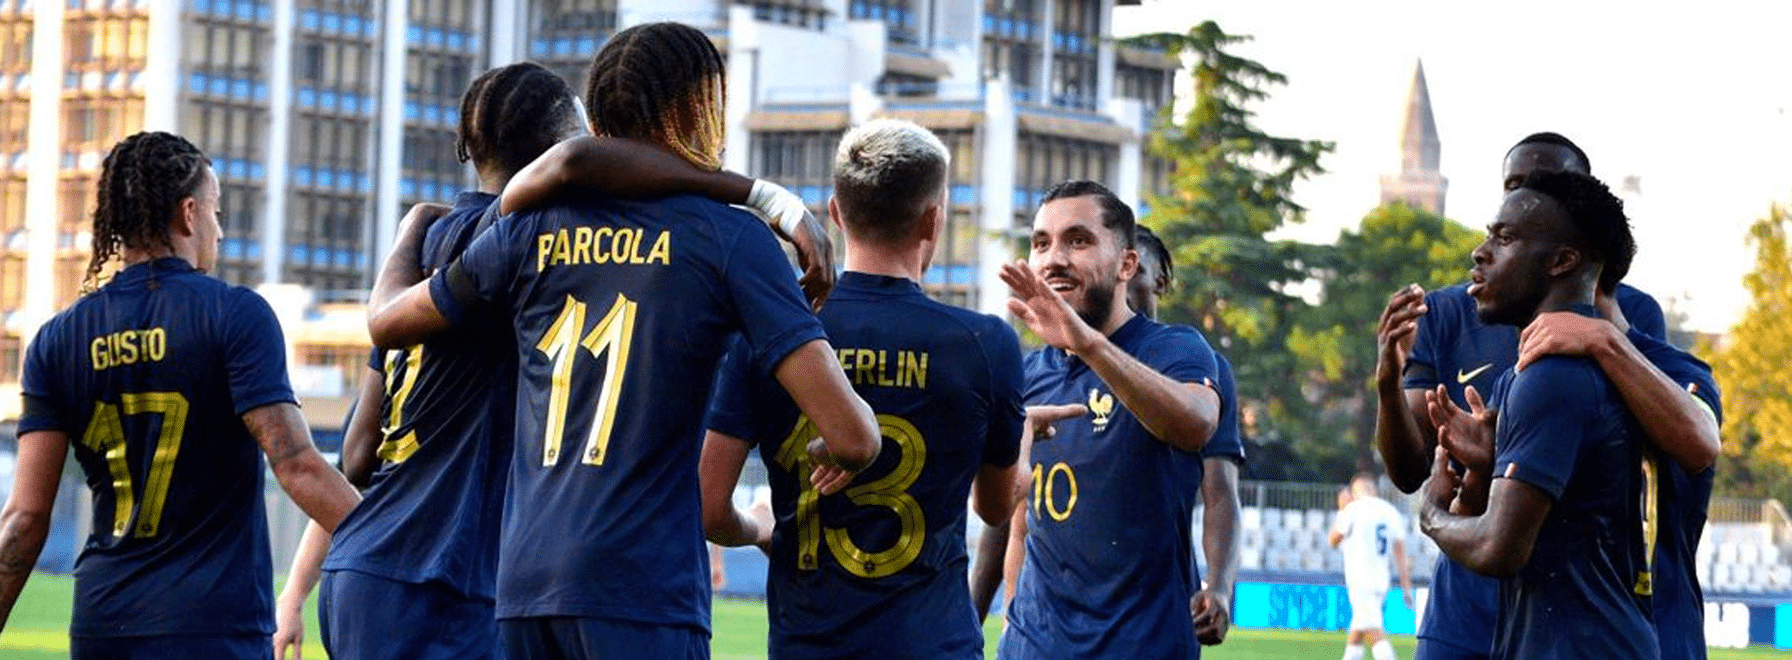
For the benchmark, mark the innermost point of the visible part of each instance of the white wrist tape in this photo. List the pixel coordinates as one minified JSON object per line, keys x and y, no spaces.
{"x":782,"y":208}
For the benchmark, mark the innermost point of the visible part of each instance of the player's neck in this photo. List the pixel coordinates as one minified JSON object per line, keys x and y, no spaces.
{"x":872,"y":259}
{"x":132,"y":256}
{"x":1564,"y":298}
{"x":492,"y":183}
{"x":1121,"y":314}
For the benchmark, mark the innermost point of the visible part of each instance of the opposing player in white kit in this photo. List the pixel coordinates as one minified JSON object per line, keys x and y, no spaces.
{"x":1367,"y":529}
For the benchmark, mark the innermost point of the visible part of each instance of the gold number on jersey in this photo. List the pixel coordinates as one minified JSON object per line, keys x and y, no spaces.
{"x":610,"y":342}
{"x":105,"y":436}
{"x":890,"y":492}
{"x":395,"y":447}
{"x":1651,"y":508}
{"x":1045,"y":490}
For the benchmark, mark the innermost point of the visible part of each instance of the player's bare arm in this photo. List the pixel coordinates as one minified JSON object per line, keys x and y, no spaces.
{"x":1402,"y":432}
{"x":849,"y":432}
{"x":635,"y":168}
{"x":1183,"y":415}
{"x":718,"y":473}
{"x":1496,"y":543}
{"x":1014,"y":555}
{"x":361,"y":440}
{"x":1405,"y":567}
{"x":986,"y":571}
{"x":314,"y":485}
{"x":993,"y":548}
{"x":289,"y":615}
{"x":25,"y":522}
{"x":1212,"y":606}
{"x":1678,"y":423}
{"x":399,"y":310}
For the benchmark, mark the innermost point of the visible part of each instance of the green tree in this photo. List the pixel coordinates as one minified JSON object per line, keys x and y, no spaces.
{"x":1230,"y":186}
{"x":1755,"y":375}
{"x":1394,"y":246}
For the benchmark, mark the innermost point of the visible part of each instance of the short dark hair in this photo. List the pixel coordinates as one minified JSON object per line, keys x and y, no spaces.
{"x":511,"y":114}
{"x":1115,"y":214}
{"x":664,"y":83}
{"x":1148,"y":244}
{"x":1602,"y":231}
{"x":886,"y":172}
{"x":142,"y":183}
{"x":1559,"y":140}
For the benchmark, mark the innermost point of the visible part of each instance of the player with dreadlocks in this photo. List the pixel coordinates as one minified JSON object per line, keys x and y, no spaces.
{"x":165,"y":381}
{"x":424,"y":454}
{"x":620,"y":312}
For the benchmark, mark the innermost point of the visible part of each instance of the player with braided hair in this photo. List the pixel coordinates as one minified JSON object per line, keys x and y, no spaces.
{"x":165,"y":381}
{"x":620,"y":312}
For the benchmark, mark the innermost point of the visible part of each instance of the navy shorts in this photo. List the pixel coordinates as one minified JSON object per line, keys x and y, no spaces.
{"x":365,"y":616}
{"x":578,"y":638}
{"x":1431,"y":649}
{"x":253,"y":646}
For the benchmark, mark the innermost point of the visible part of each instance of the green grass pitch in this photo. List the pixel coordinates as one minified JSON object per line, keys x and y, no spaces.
{"x":38,"y":630}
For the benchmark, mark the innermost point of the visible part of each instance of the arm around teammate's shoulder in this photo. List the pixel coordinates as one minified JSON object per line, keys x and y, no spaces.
{"x":321,"y":491}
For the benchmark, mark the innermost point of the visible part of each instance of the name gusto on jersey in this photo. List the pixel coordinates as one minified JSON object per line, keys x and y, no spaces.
{"x":602,"y":245}
{"x":127,"y":347}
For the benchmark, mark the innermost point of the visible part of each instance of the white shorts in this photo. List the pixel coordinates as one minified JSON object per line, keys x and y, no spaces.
{"x":1365,"y":608}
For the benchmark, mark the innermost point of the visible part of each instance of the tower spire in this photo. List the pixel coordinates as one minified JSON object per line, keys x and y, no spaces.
{"x":1420,"y":182}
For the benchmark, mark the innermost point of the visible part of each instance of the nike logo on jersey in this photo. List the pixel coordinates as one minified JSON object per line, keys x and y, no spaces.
{"x":1462,"y":378}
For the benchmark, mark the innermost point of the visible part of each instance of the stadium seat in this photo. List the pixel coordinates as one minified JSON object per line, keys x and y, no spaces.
{"x":1251,"y":518}
{"x":1317,"y":520}
{"x":1272,"y":519}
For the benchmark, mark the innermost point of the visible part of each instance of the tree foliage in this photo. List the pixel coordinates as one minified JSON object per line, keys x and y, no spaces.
{"x":1394,"y":246}
{"x":1231,"y":185}
{"x":1754,"y":371}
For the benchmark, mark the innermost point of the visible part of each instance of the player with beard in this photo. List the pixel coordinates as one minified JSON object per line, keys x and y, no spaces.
{"x":1561,"y":527}
{"x":1113,"y":491}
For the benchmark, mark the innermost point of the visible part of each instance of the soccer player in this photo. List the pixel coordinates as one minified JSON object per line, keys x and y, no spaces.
{"x":620,"y":312}
{"x":1561,"y":527}
{"x":1366,"y":529}
{"x":1108,"y":557}
{"x":165,"y":381}
{"x":878,"y":571}
{"x":1426,"y":340}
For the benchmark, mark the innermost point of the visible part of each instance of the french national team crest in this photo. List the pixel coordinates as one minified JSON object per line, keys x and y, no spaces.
{"x":1102,"y":406}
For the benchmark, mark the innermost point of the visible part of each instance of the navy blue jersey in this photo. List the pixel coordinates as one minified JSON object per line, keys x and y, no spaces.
{"x":1225,"y":442}
{"x":1564,"y":430}
{"x":879,"y":569}
{"x":1683,"y":498}
{"x":1109,"y":560}
{"x":1454,"y":349}
{"x":621,"y":311}
{"x":432,"y":510}
{"x":149,"y":377}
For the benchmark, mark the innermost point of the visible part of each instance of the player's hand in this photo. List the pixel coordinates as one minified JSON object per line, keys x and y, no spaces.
{"x":1440,"y":489}
{"x":289,"y":630}
{"x":815,"y":255}
{"x":1398,"y":328}
{"x":1563,"y":333}
{"x":1044,"y":311}
{"x":1406,"y":596}
{"x":421,"y":216}
{"x":761,"y":513}
{"x":1212,"y":612}
{"x":1467,"y":436}
{"x":1043,"y":419}
{"x":827,"y":477}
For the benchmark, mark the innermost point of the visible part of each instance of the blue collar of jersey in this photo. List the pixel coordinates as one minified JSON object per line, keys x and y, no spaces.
{"x":471,"y":198}
{"x":885,"y":284}
{"x":160,"y":266}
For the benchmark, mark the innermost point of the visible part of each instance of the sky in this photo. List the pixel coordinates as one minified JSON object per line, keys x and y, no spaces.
{"x":1693,"y":99}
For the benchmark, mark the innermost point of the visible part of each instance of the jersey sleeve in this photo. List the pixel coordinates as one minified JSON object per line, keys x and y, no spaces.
{"x":1182,"y":354}
{"x":1225,"y":442}
{"x":1643,"y":313}
{"x":1543,"y":422}
{"x":39,"y":407}
{"x":482,"y":277}
{"x":749,"y":403}
{"x":254,"y":353}
{"x":1001,"y":346}
{"x":1428,"y":342}
{"x":774,"y":317}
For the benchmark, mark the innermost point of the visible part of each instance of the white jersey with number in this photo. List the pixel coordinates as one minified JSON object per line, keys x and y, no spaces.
{"x":1370,"y":527}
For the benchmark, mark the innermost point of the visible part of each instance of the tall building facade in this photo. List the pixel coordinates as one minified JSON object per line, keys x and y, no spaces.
{"x":1419,"y":184}
{"x":325,"y":119}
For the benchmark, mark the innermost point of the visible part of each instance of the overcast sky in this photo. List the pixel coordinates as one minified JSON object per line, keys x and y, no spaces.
{"x":1695,"y":101}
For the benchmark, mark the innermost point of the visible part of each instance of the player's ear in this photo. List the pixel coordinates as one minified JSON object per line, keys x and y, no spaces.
{"x":1565,"y":260}
{"x":834,"y":214}
{"x":930,"y":223}
{"x":1129,"y":264}
{"x":186,"y":216}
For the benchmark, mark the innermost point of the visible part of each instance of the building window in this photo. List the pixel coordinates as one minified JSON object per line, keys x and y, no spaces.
{"x":1076,"y":39}
{"x":800,"y":13}
{"x":900,"y":15}
{"x":902,"y":84}
{"x":1012,"y":43}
